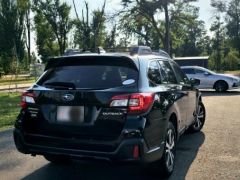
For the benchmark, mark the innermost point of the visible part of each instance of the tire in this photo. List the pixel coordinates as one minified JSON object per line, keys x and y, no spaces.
{"x":200,"y":119}
{"x":221,"y":86}
{"x":165,"y":166}
{"x":57,"y":159}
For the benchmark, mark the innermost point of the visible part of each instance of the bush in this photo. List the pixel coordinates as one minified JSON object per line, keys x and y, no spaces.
{"x":232,"y":60}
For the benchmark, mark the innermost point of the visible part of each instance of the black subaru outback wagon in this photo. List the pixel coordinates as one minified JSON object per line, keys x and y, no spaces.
{"x":130,"y":108}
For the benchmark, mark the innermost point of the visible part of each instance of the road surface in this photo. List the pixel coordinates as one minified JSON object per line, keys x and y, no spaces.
{"x":213,"y":153}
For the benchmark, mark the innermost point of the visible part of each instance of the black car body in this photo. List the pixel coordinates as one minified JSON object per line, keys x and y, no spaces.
{"x":107,"y":106}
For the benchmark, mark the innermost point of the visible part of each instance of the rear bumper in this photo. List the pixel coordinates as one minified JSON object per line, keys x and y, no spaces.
{"x":124,"y":151}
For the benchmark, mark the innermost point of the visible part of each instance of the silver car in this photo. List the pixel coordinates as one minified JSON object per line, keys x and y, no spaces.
{"x":211,"y":80}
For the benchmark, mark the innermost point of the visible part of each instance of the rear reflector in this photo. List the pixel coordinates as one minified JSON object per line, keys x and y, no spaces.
{"x":27,"y":98}
{"x":136,"y":152}
{"x":136,"y":103}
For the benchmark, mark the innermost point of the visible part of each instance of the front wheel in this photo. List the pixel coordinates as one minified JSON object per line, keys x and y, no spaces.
{"x":200,"y":119}
{"x":221,"y":86}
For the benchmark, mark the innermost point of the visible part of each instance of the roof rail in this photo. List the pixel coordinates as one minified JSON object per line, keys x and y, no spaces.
{"x":134,"y":50}
{"x":161,"y":52}
{"x":69,"y":52}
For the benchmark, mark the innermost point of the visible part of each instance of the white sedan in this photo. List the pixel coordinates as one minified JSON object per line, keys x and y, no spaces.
{"x":211,"y":80}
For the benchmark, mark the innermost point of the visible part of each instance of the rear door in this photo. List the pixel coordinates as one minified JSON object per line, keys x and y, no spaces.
{"x":169,"y":77}
{"x":189,"y":92}
{"x":73,"y":97}
{"x":205,"y":78}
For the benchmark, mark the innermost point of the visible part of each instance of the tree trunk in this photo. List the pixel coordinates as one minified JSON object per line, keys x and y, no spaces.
{"x":28,"y":36}
{"x":167,"y":28}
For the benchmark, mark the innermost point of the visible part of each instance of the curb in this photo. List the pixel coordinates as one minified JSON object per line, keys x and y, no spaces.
{"x":6,"y":131}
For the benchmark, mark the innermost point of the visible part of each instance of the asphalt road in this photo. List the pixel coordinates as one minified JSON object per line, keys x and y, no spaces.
{"x":213,"y":153}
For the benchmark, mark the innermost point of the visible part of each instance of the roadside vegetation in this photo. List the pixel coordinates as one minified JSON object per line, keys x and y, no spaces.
{"x":236,"y":73}
{"x":16,"y":80}
{"x":9,"y":109}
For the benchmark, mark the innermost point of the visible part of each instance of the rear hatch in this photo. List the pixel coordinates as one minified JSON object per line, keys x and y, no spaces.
{"x":72,"y":98}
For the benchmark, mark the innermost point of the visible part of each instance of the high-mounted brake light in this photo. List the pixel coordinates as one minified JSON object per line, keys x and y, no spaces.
{"x":27,"y":97}
{"x":137,"y":103}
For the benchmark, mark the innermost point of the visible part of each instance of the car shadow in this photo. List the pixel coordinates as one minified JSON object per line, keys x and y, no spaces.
{"x":187,"y":150}
{"x":227,"y":93}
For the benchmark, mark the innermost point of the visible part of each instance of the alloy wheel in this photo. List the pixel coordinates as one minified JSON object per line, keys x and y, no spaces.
{"x":199,"y":117}
{"x":170,"y":147}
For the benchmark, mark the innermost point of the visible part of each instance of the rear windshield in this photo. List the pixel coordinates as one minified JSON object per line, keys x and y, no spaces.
{"x":89,"y":76}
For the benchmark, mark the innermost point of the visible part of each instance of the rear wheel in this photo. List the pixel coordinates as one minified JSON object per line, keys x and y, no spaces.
{"x":200,"y":119}
{"x":166,"y":164}
{"x":221,"y":86}
{"x":57,"y":159}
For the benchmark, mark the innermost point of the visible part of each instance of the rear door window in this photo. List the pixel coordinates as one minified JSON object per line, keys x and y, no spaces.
{"x":188,"y":71}
{"x":181,"y":77}
{"x":168,"y":76}
{"x":94,"y":76}
{"x":154,"y":75}
{"x":198,"y":71}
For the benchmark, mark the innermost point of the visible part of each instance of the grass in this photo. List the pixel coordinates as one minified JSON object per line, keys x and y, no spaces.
{"x":18,"y":80}
{"x":9,"y":109}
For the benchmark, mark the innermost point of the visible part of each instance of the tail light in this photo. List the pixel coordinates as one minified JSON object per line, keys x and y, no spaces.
{"x":27,"y":97}
{"x":136,"y":152}
{"x":137,"y":103}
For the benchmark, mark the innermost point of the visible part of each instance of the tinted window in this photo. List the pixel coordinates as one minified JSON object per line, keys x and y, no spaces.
{"x":168,"y":76}
{"x":198,"y":71}
{"x":181,"y":77}
{"x":90,"y":76}
{"x":153,"y":73}
{"x":188,"y":71}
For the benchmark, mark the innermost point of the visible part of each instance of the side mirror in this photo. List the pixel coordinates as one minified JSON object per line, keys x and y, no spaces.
{"x":195,"y":82}
{"x":206,"y":74}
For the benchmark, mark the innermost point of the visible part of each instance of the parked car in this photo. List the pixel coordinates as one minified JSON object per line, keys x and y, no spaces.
{"x":109,"y":106}
{"x":211,"y":80}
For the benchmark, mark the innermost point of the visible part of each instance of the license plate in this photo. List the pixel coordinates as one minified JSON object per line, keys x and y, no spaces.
{"x":70,"y":114}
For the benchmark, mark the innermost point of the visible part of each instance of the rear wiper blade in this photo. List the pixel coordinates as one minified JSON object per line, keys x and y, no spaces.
{"x":61,"y":85}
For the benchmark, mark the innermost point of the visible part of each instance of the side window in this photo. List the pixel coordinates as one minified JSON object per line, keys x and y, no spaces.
{"x":188,"y":71}
{"x":154,"y":74}
{"x":168,"y":76}
{"x":181,"y":77}
{"x":198,"y":71}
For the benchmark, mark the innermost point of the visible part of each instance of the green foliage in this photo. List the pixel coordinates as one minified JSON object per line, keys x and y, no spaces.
{"x":90,"y":31}
{"x":110,"y":41}
{"x":188,"y":34}
{"x":57,"y":16}
{"x":232,"y":61}
{"x":141,"y":18}
{"x":45,"y":38}
{"x":233,"y":23}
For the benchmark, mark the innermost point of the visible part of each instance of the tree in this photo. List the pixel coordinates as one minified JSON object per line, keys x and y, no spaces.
{"x":147,"y":11}
{"x":188,"y":34}
{"x":11,"y":33}
{"x":233,"y":23}
{"x":45,"y":38}
{"x":58,"y":16}
{"x":90,"y":31}
{"x":110,"y":41}
{"x":219,"y":33}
